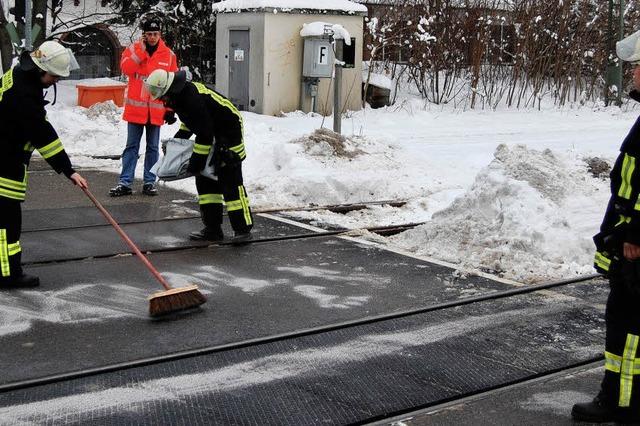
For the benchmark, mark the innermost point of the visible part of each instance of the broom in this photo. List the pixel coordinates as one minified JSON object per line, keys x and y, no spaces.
{"x":162,"y":302}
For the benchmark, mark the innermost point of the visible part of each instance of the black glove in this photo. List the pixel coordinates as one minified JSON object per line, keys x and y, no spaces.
{"x":170,"y":117}
{"x":197,"y":162}
{"x":226,"y":157}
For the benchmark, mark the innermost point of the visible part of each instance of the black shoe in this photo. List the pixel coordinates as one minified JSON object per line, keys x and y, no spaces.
{"x":598,"y":411}
{"x":241,"y":238}
{"x":149,"y":189}
{"x":207,"y":234}
{"x":22,"y":281}
{"x":120,"y":190}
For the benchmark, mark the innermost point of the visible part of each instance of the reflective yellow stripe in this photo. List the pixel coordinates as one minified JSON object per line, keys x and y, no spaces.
{"x":14,"y":248}
{"x":627,"y":370}
{"x":233,"y":205}
{"x":210,"y":199}
{"x":4,"y":254}
{"x":623,"y":219}
{"x":52,"y":149}
{"x":7,"y":82}
{"x":184,"y":127}
{"x":628,"y":166}
{"x":201,"y":149}
{"x":241,"y":204}
{"x":28,"y":147}
{"x":222,"y":101}
{"x":14,"y":195}
{"x":239,"y":149}
{"x":601,"y":261}
{"x":245,"y":205}
{"x":13,"y":184}
{"x":612,"y":362}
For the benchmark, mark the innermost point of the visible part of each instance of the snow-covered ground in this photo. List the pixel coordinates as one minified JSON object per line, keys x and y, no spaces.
{"x":506,"y":192}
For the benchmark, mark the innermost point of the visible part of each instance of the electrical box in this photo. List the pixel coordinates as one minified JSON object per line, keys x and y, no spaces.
{"x":318,"y":58}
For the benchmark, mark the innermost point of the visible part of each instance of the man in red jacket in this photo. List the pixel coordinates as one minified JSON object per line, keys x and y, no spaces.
{"x":140,"y":111}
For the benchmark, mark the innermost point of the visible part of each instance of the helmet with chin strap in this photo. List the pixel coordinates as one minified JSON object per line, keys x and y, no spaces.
{"x":161,"y":82}
{"x":54,"y":58}
{"x":158,"y":83}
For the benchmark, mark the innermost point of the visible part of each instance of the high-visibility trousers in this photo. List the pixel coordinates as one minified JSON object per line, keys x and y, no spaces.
{"x":621,"y":383}
{"x":10,"y":250}
{"x":228,"y":190}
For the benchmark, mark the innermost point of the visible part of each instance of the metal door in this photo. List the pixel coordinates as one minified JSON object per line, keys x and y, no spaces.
{"x":239,"y":68}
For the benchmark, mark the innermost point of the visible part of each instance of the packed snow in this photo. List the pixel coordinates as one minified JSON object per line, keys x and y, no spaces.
{"x":318,"y":29}
{"x":286,"y":5}
{"x":506,"y":192}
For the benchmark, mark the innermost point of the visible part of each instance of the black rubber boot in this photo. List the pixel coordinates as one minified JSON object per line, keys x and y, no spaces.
{"x":241,"y":238}
{"x":212,"y":230}
{"x":21,"y":281}
{"x":207,"y":234}
{"x":599,"y":411}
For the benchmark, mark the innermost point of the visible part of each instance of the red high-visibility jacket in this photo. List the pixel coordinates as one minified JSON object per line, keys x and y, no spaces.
{"x":136,"y":64}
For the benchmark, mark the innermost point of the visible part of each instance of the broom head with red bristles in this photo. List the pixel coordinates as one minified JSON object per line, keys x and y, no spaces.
{"x":175,"y":299}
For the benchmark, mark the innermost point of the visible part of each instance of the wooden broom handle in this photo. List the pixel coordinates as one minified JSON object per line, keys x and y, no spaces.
{"x":126,"y":238}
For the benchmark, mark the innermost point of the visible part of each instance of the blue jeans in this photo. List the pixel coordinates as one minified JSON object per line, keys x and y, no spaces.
{"x":130,"y":153}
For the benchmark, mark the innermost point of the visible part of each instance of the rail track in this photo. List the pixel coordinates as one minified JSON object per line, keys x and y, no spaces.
{"x":382,"y":320}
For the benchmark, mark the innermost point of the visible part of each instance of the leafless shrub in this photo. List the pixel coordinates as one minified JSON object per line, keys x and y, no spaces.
{"x":498,"y":52}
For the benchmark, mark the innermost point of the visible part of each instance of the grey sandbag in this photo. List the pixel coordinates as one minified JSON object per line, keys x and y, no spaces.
{"x":173,"y":164}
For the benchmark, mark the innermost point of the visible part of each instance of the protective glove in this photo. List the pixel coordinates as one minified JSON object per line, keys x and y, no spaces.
{"x":227,"y":157}
{"x":197,"y":163}
{"x":170,"y":117}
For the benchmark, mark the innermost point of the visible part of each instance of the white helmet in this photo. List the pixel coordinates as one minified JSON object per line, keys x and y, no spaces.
{"x":158,"y":83}
{"x":54,"y":58}
{"x":628,"y":49}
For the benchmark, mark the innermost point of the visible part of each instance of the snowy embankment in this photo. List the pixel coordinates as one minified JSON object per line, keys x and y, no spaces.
{"x":503,"y":191}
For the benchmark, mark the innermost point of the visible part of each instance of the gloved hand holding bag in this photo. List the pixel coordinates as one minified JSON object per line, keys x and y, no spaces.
{"x":197,"y":162}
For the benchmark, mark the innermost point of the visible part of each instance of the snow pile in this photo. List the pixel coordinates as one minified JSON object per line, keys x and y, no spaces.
{"x":327,"y":143}
{"x":516,"y":220}
{"x":378,"y":80}
{"x":108,"y":110}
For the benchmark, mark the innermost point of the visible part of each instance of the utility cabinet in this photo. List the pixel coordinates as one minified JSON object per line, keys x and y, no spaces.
{"x":318,"y":58}
{"x":264,"y":65}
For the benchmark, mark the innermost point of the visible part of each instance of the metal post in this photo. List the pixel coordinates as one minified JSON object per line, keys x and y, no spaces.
{"x":337,"y":89}
{"x":28,"y":44}
{"x":614,"y":67}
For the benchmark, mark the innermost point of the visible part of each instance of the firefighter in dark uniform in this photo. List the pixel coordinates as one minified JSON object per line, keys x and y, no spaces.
{"x":211,"y":117}
{"x":618,"y":257}
{"x":25,"y":128}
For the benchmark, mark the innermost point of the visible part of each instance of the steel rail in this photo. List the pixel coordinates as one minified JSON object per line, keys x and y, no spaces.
{"x":12,"y":386}
{"x":376,"y":229}
{"x":337,"y":208}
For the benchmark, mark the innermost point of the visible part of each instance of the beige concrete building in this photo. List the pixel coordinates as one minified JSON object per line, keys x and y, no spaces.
{"x":259,"y":53}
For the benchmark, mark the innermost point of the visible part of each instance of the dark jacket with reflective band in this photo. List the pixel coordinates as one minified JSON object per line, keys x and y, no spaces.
{"x":207,"y":114}
{"x":621,"y":221}
{"x":25,"y":128}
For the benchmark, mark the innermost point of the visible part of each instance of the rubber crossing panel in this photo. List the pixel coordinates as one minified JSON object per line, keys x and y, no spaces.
{"x":94,"y":312}
{"x":340,"y":377}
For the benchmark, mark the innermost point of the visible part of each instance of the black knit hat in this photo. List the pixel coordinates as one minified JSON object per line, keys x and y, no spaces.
{"x":150,"y":24}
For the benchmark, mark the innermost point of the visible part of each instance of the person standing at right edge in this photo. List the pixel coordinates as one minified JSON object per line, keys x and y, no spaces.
{"x":207,"y":114}
{"x":618,"y":257}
